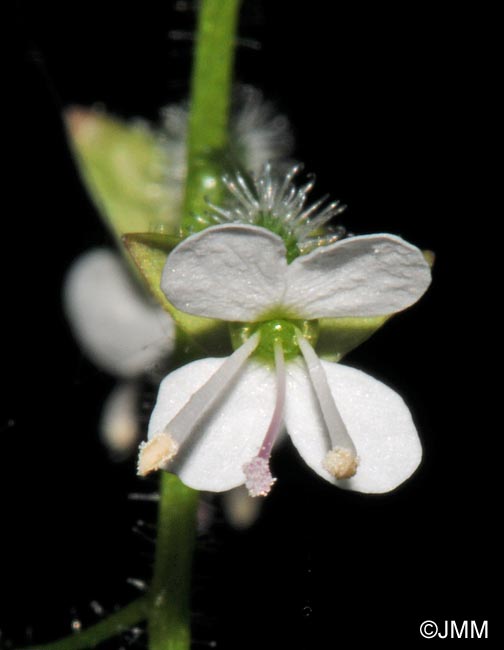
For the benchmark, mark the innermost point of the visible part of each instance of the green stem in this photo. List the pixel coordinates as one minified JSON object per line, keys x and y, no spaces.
{"x":209,"y":109}
{"x":169,"y":613}
{"x":113,"y":625}
{"x":211,"y":83}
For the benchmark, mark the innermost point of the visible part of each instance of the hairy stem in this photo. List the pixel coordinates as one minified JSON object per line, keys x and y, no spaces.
{"x":209,"y":107}
{"x":207,"y":142}
{"x":121,"y":621}
{"x":168,"y":622}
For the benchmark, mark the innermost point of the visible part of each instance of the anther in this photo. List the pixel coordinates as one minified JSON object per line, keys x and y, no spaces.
{"x":156,"y":453}
{"x":341,"y":462}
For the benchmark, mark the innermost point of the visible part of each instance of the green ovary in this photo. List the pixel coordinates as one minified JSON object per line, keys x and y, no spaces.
{"x":275,"y":331}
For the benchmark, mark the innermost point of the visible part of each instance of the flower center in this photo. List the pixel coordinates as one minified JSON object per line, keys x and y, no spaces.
{"x":277,"y":331}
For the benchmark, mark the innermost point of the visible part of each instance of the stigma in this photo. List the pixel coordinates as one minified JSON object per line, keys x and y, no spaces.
{"x":258,"y":477}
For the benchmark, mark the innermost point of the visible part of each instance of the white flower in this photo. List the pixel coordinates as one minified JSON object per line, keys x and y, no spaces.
{"x":120,"y":330}
{"x":216,"y":420}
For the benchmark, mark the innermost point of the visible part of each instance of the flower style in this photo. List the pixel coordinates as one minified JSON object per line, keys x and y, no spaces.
{"x":121,"y":331}
{"x":216,"y":420}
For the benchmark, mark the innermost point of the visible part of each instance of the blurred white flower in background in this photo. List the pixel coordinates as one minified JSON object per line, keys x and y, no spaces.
{"x":121,"y":331}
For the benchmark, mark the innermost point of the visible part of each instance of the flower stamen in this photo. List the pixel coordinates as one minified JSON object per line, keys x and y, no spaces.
{"x":341,"y":461}
{"x":164,"y":445}
{"x":259,"y":479}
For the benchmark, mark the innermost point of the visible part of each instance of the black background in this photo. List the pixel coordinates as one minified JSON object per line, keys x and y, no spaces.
{"x":380,"y":102}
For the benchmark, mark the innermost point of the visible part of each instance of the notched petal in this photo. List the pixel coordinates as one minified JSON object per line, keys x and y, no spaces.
{"x":372,"y":275}
{"x":230,"y":272}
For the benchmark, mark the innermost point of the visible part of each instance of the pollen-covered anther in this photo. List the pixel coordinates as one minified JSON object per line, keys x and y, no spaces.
{"x":259,"y":480}
{"x":155,"y":453}
{"x":341,"y":462}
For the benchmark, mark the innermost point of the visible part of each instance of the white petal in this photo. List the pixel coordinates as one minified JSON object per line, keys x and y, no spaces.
{"x":377,"y":419}
{"x":213,"y":457}
{"x":115,"y":325}
{"x":372,"y":275}
{"x":119,"y":422}
{"x":230,"y":272}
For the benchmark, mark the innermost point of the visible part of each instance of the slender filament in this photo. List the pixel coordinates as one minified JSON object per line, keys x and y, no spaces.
{"x":204,"y":398}
{"x":332,"y":418}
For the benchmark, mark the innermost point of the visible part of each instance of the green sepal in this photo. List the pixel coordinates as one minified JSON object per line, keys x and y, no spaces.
{"x":149,"y":252}
{"x":338,"y":336}
{"x":123,"y":165}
